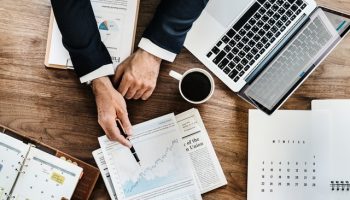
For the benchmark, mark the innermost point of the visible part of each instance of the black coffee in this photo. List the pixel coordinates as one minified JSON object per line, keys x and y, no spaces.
{"x":196,"y":86}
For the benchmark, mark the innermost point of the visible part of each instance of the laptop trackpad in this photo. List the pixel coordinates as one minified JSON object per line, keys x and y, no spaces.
{"x":224,"y":11}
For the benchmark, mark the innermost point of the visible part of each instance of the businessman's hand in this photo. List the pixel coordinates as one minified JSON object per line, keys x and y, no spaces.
{"x":137,"y":75}
{"x":111,"y":106}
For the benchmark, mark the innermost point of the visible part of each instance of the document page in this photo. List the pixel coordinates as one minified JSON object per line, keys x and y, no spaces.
{"x":339,"y":178}
{"x":116,"y":21}
{"x":288,"y":155}
{"x":45,"y":176}
{"x":101,"y":163}
{"x":165,"y":171}
{"x":12,"y":154}
{"x":208,"y":171}
{"x":58,"y":54}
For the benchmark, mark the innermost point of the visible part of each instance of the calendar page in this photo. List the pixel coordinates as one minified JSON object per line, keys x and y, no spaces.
{"x":288,"y":155}
{"x":45,"y":176}
{"x":12,"y":153}
{"x":339,"y":179}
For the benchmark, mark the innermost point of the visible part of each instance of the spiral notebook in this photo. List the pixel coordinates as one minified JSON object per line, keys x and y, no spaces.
{"x":31,"y":170}
{"x":29,"y":173}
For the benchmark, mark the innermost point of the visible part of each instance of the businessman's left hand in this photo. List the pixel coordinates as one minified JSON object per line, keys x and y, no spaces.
{"x":137,"y":75}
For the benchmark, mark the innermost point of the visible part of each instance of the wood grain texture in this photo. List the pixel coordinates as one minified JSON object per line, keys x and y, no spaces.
{"x":52,"y":106}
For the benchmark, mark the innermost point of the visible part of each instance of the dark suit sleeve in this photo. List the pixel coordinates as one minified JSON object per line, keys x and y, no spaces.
{"x":80,"y":35}
{"x":172,"y":21}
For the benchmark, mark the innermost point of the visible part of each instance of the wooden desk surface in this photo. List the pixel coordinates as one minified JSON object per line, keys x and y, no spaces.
{"x":51,"y":105}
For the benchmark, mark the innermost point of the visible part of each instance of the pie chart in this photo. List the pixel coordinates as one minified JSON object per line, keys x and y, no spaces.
{"x":108,"y":25}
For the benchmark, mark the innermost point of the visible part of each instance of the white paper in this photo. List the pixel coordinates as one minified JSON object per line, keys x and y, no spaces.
{"x":101,"y":163}
{"x":45,"y":176}
{"x":288,"y":156}
{"x":340,"y":143}
{"x":115,"y":20}
{"x":165,"y":171}
{"x":12,"y":153}
{"x":208,"y":171}
{"x":58,"y":54}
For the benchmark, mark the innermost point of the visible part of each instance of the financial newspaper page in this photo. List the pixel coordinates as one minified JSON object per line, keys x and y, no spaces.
{"x":101,"y":163}
{"x":208,"y":171}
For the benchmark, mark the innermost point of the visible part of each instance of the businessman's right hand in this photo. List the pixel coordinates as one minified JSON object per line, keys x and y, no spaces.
{"x":111,"y":106}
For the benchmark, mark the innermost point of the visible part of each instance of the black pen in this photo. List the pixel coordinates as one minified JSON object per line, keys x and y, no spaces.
{"x":122,"y":131}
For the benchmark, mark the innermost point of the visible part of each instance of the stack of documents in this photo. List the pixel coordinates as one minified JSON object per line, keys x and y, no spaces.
{"x":116,"y":22}
{"x":176,"y":155}
{"x":300,"y":154}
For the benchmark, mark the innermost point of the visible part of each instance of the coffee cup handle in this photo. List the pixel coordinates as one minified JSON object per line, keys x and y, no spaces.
{"x":175,"y":75}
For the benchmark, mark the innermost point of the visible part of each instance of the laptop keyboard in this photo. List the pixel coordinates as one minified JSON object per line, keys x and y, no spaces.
{"x":291,"y":64}
{"x":249,"y":38}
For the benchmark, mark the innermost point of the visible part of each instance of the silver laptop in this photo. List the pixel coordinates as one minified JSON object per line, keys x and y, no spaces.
{"x":264,"y":49}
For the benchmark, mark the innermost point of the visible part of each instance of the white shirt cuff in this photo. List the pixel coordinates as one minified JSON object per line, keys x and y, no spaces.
{"x":152,"y":48}
{"x":105,"y":70}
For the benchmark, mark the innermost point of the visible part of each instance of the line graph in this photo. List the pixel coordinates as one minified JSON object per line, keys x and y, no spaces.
{"x":130,"y":186}
{"x":165,"y":165}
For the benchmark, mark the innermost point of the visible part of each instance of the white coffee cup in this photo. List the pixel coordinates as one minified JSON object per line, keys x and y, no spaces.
{"x":199,"y":75}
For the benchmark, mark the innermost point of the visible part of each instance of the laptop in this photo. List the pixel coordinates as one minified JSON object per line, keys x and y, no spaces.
{"x":264,"y":49}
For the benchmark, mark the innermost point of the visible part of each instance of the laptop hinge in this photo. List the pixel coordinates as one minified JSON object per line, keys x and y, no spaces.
{"x":277,"y":49}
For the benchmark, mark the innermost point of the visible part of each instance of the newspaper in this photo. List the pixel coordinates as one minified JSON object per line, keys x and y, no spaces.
{"x":208,"y":172}
{"x":207,"y":169}
{"x":101,"y":163}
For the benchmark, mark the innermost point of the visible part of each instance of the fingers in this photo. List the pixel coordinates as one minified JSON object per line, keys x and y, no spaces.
{"x":124,"y":119}
{"x":110,"y":106}
{"x":108,"y":124}
{"x":124,"y":85}
{"x":118,"y":74}
{"x":143,"y":92}
{"x":132,"y":91}
{"x":138,"y":75}
{"x":140,"y":93}
{"x":135,"y":89}
{"x":147,"y":94}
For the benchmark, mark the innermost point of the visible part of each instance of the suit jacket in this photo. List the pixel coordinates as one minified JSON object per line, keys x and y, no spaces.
{"x":80,"y":35}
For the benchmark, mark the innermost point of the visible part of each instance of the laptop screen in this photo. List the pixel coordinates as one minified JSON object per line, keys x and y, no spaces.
{"x":270,"y":88}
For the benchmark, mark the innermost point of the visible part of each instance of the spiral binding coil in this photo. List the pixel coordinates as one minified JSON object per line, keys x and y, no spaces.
{"x":340,"y":185}
{"x":20,"y":171}
{"x":22,"y":165}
